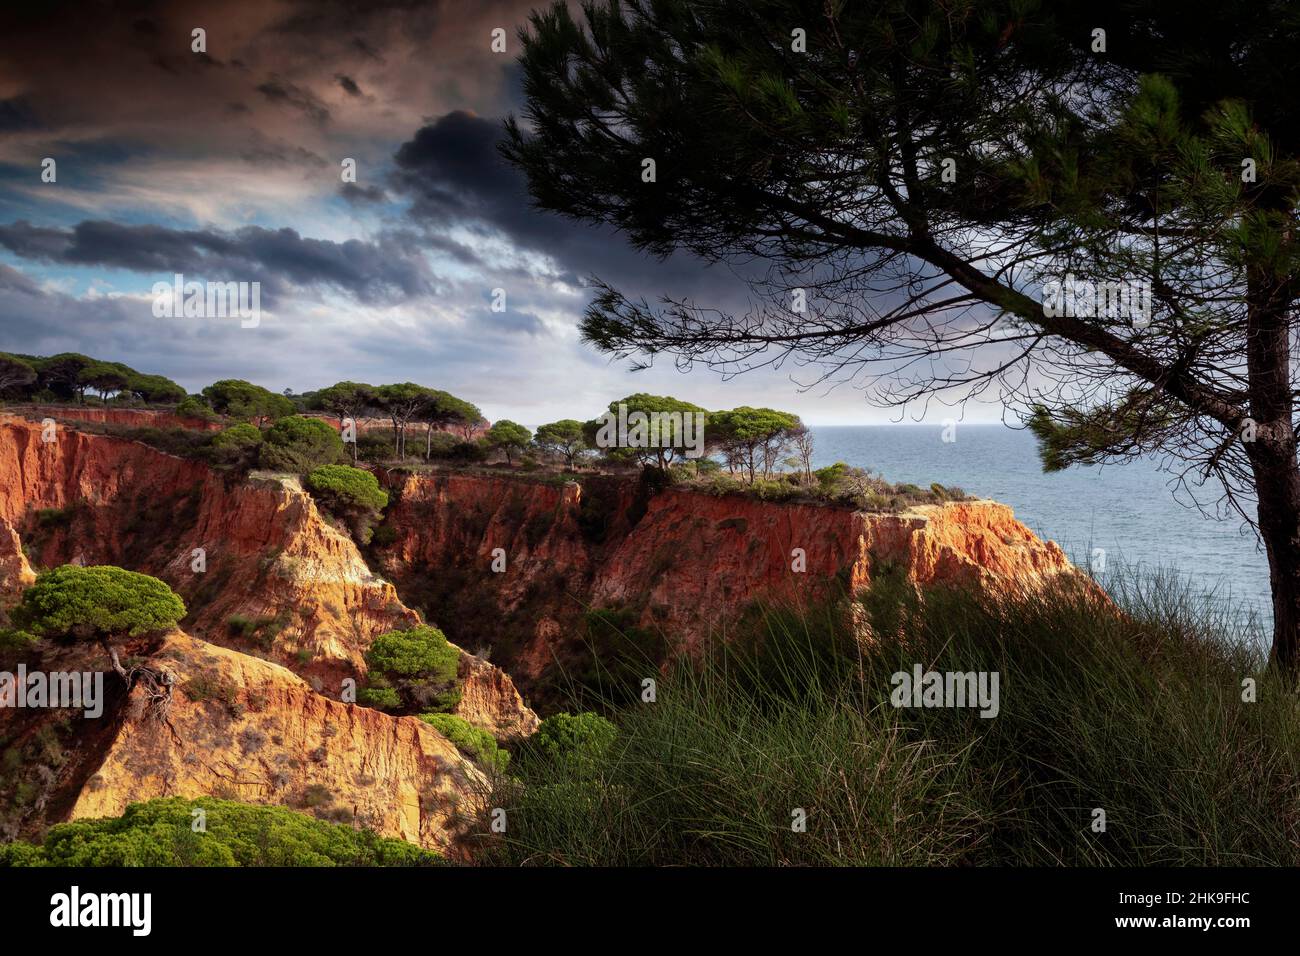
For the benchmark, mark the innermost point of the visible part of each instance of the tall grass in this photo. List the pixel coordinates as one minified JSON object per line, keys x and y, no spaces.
{"x":1138,"y":714}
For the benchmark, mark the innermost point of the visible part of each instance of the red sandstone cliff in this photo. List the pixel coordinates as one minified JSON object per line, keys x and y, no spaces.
{"x":132,"y":417}
{"x":682,"y":561}
{"x":244,"y":729}
{"x":279,"y":579}
{"x":276,"y":577}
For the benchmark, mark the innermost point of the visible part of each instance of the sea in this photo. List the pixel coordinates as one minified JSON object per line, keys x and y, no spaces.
{"x":1108,"y":517}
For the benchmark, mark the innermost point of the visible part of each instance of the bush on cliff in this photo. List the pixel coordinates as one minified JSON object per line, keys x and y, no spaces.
{"x":237,"y":445}
{"x":412,"y":671}
{"x":475,"y":742}
{"x":299,"y":444}
{"x":241,"y":435}
{"x":839,"y":484}
{"x":376,"y":446}
{"x":1141,"y":714}
{"x":579,"y":741}
{"x":98,"y":602}
{"x":160,"y":833}
{"x":352,"y":494}
{"x":193,"y":407}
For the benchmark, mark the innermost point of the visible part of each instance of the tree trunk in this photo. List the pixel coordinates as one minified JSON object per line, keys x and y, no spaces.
{"x":1277,"y":483}
{"x":1273,"y":456}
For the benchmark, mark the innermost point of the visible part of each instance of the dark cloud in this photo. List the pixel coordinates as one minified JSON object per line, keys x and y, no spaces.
{"x":283,"y":154}
{"x":452,"y":173}
{"x":173,"y":162}
{"x":11,"y":280}
{"x":371,"y":272}
{"x":17,"y":114}
{"x":362,"y":195}
{"x":365,"y":49}
{"x":513,"y":321}
{"x":280,"y":91}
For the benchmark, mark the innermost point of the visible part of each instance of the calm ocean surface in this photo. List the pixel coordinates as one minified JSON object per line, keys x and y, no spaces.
{"x":1126,"y":509}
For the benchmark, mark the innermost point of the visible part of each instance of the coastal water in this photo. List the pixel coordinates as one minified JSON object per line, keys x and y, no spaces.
{"x":1128,"y":510}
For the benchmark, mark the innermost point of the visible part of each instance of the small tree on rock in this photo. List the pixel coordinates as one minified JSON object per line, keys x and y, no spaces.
{"x":351,"y":493}
{"x":97,"y":603}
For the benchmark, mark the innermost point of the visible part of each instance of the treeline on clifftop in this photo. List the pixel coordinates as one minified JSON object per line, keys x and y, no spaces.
{"x":762,"y":452}
{"x":70,"y":376}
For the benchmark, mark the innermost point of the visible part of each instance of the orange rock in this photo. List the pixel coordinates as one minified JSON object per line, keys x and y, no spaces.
{"x":683,"y":560}
{"x":272,"y":565}
{"x":249,"y":730}
{"x":15,"y":571}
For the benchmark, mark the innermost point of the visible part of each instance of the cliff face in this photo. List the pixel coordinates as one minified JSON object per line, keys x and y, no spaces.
{"x":258,"y":565}
{"x":15,"y":570}
{"x":502,"y":564}
{"x":132,"y":417}
{"x":679,"y":560}
{"x":258,"y":551}
{"x":250,"y":730}
{"x":246,"y":729}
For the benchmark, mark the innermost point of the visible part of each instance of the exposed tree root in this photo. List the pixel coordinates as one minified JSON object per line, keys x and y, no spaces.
{"x":157,"y":684}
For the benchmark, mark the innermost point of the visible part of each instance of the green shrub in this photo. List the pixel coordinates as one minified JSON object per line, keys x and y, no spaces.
{"x":242,"y":435}
{"x":348,"y":487}
{"x":419,"y":666}
{"x":159,"y":833}
{"x":441,"y":444}
{"x":380,"y":698}
{"x":15,"y":642}
{"x":575,"y":740}
{"x":376,"y":446}
{"x":383,"y":536}
{"x":469,"y":452}
{"x":194,"y":407}
{"x":96,"y":602}
{"x":829,"y":477}
{"x":476,"y":743}
{"x":298,"y":444}
{"x":49,"y":518}
{"x":352,"y":494}
{"x":238,"y":445}
{"x":421,"y":651}
{"x":240,"y":625}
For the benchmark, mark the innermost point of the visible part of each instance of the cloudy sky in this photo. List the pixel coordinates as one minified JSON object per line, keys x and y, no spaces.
{"x":225,"y":165}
